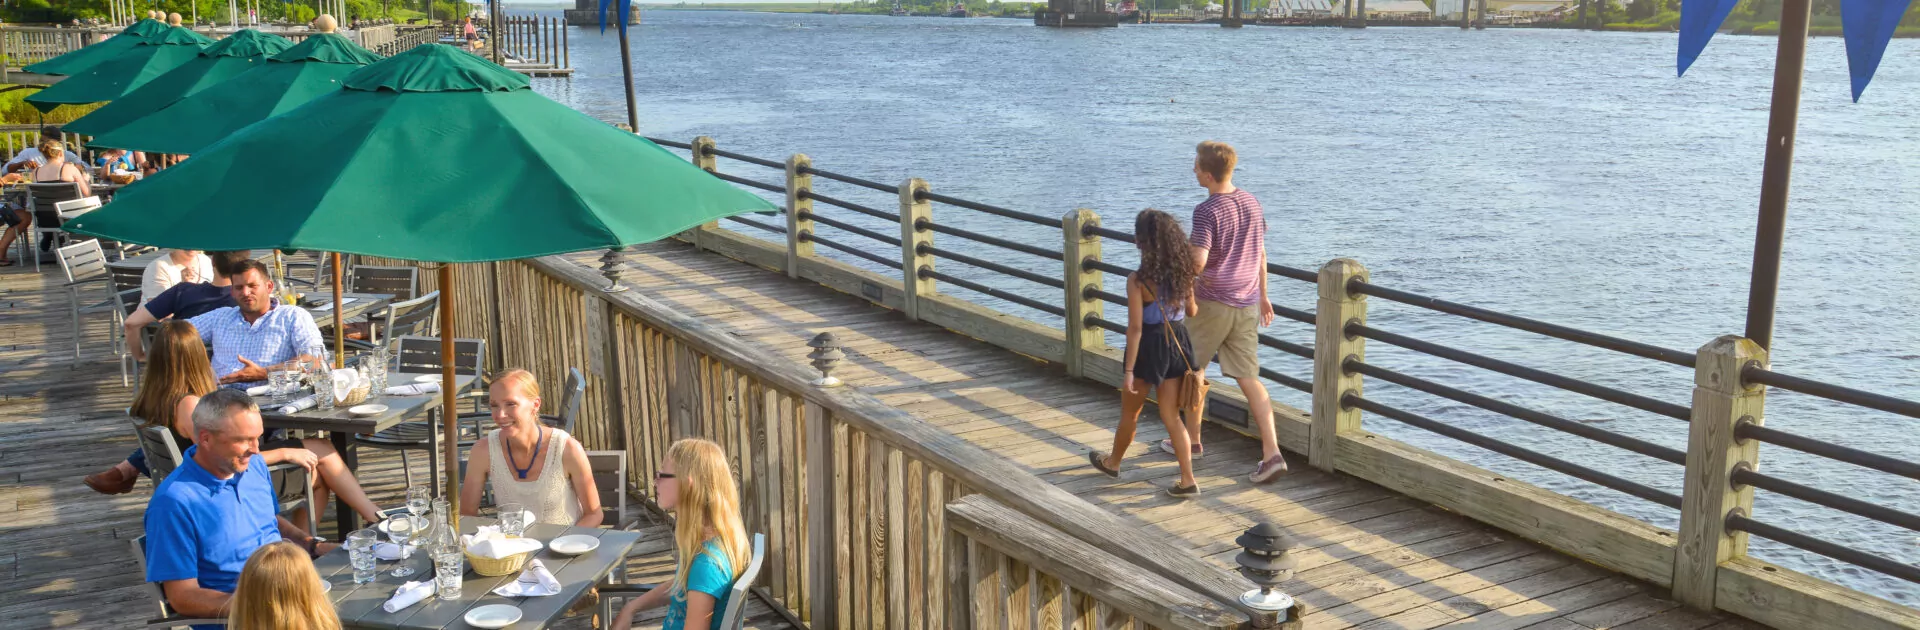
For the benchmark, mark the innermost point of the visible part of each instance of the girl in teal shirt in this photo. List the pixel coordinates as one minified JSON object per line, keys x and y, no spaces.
{"x":710,"y":540}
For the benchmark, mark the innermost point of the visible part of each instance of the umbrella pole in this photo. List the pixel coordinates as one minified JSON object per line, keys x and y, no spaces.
{"x":1783,"y":120}
{"x":339,"y":326}
{"x":626,"y":69}
{"x":449,"y":415}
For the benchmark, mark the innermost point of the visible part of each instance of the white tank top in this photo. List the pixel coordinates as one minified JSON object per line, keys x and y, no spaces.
{"x":549,"y":495}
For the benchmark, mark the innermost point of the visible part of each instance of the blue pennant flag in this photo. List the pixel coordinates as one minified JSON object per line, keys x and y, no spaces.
{"x":1699,"y":20}
{"x":1868,"y":25}
{"x":625,"y":11}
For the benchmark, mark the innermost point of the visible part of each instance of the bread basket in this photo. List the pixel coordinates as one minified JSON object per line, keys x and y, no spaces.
{"x":356,"y":395}
{"x":495,"y":568}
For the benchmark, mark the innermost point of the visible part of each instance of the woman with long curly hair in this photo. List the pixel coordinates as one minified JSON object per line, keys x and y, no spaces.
{"x":1159,"y":299}
{"x":279,"y":590}
{"x":709,"y":538}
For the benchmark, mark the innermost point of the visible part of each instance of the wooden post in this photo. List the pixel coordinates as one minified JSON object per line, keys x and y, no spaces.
{"x":566,"y":55}
{"x":704,"y":158}
{"x":823,"y":577}
{"x":798,"y":203}
{"x":1080,"y":247}
{"x":1331,"y":348}
{"x":1721,"y":401}
{"x":913,"y":209}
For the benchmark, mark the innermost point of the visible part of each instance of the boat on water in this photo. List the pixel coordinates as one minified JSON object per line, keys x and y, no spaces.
{"x":958,"y":10}
{"x":898,"y":11}
{"x":1130,"y":13}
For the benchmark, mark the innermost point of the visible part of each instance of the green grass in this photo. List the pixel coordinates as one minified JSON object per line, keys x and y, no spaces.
{"x":14,"y":110}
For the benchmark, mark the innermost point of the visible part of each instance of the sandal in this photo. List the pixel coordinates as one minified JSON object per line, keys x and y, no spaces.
{"x":1183,"y":492}
{"x":6,"y":263}
{"x":1098,"y":459}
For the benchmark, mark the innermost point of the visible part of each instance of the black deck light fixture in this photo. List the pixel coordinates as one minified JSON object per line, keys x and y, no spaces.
{"x":826,"y":356}
{"x":1264,"y":560}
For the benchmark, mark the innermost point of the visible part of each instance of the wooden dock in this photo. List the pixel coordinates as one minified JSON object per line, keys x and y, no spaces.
{"x":64,"y":559}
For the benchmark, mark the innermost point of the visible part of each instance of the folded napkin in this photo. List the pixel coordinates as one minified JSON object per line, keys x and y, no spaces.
{"x":259,"y":390}
{"x":300,"y":405}
{"x":390,"y":551}
{"x":409,"y":594}
{"x":415,"y":389}
{"x":535,"y":581}
{"x":488,"y":542}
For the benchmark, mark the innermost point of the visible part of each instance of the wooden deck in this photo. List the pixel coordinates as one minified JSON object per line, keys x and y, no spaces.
{"x":1369,"y":558}
{"x":64,"y":561}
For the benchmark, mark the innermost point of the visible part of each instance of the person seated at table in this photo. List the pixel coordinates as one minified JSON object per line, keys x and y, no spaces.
{"x":185,"y":300}
{"x":279,"y":590}
{"x":258,"y":331}
{"x":174,"y":267}
{"x":17,"y":220}
{"x":31,"y":157}
{"x":530,"y":463}
{"x":174,"y":385}
{"x":709,"y":538}
{"x":57,"y":169}
{"x":120,"y":166}
{"x":215,"y":509}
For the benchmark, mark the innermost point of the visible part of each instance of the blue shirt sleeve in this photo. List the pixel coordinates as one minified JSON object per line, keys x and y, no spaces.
{"x":167,"y":303}
{"x":173,"y":551}
{"x":306,"y":334}
{"x":710,"y":574}
{"x":202,"y":322}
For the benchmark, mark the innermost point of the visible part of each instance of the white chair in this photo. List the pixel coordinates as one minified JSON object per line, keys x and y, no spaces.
{"x":84,"y":264}
{"x":733,"y":618}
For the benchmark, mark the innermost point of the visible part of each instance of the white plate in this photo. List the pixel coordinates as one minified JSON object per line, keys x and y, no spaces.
{"x":368,"y":410}
{"x":495,"y":616}
{"x":326,"y":586}
{"x":426,"y":378}
{"x":574,"y":545}
{"x":385,"y":527}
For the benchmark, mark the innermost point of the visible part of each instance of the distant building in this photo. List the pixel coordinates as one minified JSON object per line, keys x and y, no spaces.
{"x":587,"y":13}
{"x":1390,"y":9}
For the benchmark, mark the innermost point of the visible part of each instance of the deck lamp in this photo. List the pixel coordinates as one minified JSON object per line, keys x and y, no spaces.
{"x":610,"y":268}
{"x":1264,"y":561}
{"x":826,"y":356}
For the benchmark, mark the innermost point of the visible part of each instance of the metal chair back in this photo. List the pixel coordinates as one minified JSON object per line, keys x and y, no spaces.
{"x":736,"y":615}
{"x":168,"y":618}
{"x":570,"y":399}
{"x":422,"y":354}
{"x":163,"y":454}
{"x":610,"y":481}
{"x":400,"y":282}
{"x":124,"y":278}
{"x":417,"y":317}
{"x":43,"y":199}
{"x":83,"y":261}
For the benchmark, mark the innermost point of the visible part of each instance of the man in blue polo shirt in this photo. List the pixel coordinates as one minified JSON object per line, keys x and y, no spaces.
{"x":215,"y":509}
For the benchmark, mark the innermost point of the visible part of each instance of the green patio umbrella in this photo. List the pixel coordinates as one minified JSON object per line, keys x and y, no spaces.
{"x":431,"y":155}
{"x":111,"y":79}
{"x":86,"y":57}
{"x":313,"y":67}
{"x":225,"y":59}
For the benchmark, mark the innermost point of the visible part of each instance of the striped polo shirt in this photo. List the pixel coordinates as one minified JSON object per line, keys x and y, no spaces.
{"x":1232,"y":228}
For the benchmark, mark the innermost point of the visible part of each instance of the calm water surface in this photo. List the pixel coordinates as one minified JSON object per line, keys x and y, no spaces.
{"x":1565,"y":176}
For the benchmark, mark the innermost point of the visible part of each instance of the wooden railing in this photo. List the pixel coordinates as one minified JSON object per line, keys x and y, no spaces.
{"x":535,"y":41}
{"x":851,"y":493}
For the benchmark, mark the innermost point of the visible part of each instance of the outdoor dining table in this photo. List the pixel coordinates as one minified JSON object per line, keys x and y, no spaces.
{"x":359,"y":604}
{"x":341,"y":425}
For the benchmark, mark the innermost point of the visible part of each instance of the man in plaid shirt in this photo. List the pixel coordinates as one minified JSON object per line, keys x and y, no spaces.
{"x":259,"y":333}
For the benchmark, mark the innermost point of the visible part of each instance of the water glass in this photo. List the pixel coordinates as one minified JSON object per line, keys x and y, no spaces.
{"x":406,"y":531}
{"x":513,"y":519}
{"x":449,"y":565}
{"x":360,"y":552}
{"x":280,"y":383}
{"x":378,"y":370}
{"x":419,"y":499}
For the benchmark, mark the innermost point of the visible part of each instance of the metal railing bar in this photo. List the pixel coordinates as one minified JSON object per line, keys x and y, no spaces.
{"x":1839,"y":552}
{"x":1870,"y":400}
{"x":882,"y":260}
{"x":1643,"y":447}
{"x":1294,"y":314}
{"x":1816,"y":496}
{"x":847,"y":179}
{"x":981,"y":207}
{"x":878,"y":214}
{"x":750,"y":159}
{"x":1107,"y":325}
{"x":748,"y":182}
{"x":1828,"y":450}
{"x":1294,"y":273}
{"x":1110,"y":298}
{"x":878,"y":236}
{"x":990,"y":240}
{"x":1288,"y":381}
{"x":992,"y":266}
{"x":763,"y":226}
{"x":1606,"y":342}
{"x":1544,"y":461}
{"x":1305,"y":352}
{"x":981,"y":288}
{"x":1095,"y":230}
{"x":669,"y":143}
{"x":1104,"y":266}
{"x":1609,"y":394}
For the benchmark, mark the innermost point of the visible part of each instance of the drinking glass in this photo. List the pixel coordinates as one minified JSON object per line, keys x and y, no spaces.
{"x":320,"y":371}
{"x":418,"y":500}
{"x":406,"y":531}
{"x":280,"y":383}
{"x":360,"y":553}
{"x":378,"y":370}
{"x":513,"y":519}
{"x":448,"y":567}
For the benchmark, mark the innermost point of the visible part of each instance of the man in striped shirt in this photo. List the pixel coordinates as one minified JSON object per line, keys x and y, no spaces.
{"x":1229,"y":239}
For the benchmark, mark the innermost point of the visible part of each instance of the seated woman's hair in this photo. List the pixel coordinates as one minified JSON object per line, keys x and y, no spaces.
{"x":519,"y":381}
{"x":279,"y":590}
{"x":177,"y":367}
{"x":52,"y":148}
{"x":709,"y":502}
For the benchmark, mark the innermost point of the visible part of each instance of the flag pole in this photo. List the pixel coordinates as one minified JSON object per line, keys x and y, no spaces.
{"x":626,"y":70}
{"x":1783,"y":120}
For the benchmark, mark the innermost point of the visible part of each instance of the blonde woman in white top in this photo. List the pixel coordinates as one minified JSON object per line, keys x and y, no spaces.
{"x":530,"y":463}
{"x":179,"y":265}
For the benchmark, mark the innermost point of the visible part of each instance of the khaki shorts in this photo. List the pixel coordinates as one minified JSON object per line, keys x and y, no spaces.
{"x":1231,"y":333}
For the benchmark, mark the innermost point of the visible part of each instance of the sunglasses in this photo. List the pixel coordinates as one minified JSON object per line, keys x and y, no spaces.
{"x":662,"y":475}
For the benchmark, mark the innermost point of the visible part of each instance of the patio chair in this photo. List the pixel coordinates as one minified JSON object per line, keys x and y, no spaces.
{"x":400,"y":282}
{"x":415,"y":317}
{"x":422,"y":354}
{"x":125,"y":302}
{"x":733,"y":618}
{"x":319,"y":268}
{"x":168,"y":618}
{"x":85,"y":265}
{"x":52,"y":204}
{"x":163,"y":455}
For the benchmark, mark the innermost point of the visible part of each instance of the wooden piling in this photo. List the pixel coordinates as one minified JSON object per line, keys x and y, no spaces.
{"x":912,"y":261}
{"x":1337,"y":308}
{"x":1721,"y":402}
{"x":1080,"y":247}
{"x":799,"y":183}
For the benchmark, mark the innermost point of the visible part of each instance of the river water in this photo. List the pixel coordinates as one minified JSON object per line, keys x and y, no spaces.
{"x":1566,"y":176}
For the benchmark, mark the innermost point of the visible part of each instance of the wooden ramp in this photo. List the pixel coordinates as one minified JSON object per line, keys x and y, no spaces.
{"x":1370,"y":558}
{"x":64,"y":560}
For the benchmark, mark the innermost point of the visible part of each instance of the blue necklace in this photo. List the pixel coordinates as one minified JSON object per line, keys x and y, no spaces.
{"x":531,"y":457}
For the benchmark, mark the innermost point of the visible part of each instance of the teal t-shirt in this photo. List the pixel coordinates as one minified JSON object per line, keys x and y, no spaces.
{"x":710,"y":573}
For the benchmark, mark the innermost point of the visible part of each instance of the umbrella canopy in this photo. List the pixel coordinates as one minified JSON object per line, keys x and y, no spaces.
{"x":313,"y":67}
{"x":86,"y":57}
{"x":431,"y":155}
{"x":111,"y":79}
{"x":225,"y":59}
